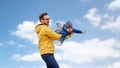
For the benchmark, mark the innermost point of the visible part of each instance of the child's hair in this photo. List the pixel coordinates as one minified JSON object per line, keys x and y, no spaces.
{"x":68,"y":24}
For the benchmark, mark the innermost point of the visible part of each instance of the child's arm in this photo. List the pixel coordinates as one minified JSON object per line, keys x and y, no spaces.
{"x":78,"y":31}
{"x":62,"y":39}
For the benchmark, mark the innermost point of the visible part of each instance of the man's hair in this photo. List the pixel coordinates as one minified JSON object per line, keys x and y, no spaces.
{"x":42,"y":15}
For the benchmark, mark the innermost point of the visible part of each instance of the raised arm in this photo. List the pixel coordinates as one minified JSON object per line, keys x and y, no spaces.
{"x":63,"y":38}
{"x":77,"y":31}
{"x":52,"y":34}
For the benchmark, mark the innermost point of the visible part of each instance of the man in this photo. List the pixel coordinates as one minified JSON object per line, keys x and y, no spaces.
{"x":46,"y":38}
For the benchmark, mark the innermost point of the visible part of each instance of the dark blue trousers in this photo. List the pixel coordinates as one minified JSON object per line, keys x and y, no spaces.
{"x":50,"y":60}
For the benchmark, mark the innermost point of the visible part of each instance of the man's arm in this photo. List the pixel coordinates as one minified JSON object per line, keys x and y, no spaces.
{"x":52,"y":34}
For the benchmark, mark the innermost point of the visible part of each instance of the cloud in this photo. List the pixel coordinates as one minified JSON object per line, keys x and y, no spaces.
{"x":61,"y":66}
{"x":26,"y":30}
{"x":65,"y":66}
{"x":88,"y":51}
{"x":84,"y":0}
{"x":112,"y":25}
{"x":114,"y":5}
{"x":93,"y":17}
{"x":60,"y":21}
{"x":13,"y":43}
{"x":27,"y":58}
{"x":108,"y":17}
{"x":117,"y":45}
{"x":1,"y":44}
{"x":113,"y":65}
{"x":36,"y":57}
{"x":116,"y":65}
{"x":31,"y":57}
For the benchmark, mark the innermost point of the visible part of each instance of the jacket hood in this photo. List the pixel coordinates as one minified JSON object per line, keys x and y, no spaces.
{"x":38,"y":28}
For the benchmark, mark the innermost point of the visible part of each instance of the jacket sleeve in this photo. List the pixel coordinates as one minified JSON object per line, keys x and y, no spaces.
{"x":50,"y":33}
{"x":63,"y":37}
{"x":77,"y":31}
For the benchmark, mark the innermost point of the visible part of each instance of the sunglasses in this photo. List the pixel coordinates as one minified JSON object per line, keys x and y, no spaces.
{"x":47,"y":19}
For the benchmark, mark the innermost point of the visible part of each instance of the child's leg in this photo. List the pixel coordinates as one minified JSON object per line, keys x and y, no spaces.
{"x":57,"y":31}
{"x":59,"y":27}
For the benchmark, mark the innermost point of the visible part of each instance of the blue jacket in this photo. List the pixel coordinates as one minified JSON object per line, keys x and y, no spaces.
{"x":64,"y":33}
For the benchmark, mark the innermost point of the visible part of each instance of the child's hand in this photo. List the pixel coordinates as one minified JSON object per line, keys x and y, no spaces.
{"x":84,"y":32}
{"x":71,"y":34}
{"x":60,"y":44}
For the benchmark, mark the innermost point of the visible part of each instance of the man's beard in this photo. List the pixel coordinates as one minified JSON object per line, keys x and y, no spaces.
{"x":47,"y":23}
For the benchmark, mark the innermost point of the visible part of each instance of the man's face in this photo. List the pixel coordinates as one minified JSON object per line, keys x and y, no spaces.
{"x":45,"y":20}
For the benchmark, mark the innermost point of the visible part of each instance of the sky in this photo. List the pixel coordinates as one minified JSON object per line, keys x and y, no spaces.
{"x":98,"y":48}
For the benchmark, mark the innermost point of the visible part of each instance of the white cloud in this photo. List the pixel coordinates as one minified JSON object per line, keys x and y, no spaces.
{"x":43,"y":67}
{"x":108,"y":17}
{"x":31,"y":57}
{"x":93,"y":17}
{"x":50,"y":23}
{"x":36,"y":57}
{"x":27,"y":58}
{"x":114,"y":26}
{"x":101,"y":67}
{"x":1,"y":44}
{"x":62,"y":22}
{"x":61,"y":66}
{"x":13,"y":43}
{"x":65,"y":66}
{"x":77,"y":53}
{"x":114,"y":65}
{"x":114,"y":5}
{"x":88,"y":51}
{"x":117,"y":45}
{"x":26,"y":30}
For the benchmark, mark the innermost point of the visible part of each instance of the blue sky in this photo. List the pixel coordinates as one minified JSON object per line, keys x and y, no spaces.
{"x":98,"y":48}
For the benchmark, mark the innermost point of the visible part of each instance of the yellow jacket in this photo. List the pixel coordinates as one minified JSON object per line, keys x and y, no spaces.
{"x":46,"y":38}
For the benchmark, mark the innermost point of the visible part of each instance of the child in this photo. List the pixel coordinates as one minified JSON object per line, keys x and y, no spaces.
{"x":67,"y":29}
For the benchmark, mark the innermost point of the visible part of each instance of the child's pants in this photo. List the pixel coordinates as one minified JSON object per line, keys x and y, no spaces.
{"x":50,"y":60}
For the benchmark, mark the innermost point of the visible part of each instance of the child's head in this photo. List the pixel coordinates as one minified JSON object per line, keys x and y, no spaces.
{"x":69,"y":29}
{"x":68,"y":25}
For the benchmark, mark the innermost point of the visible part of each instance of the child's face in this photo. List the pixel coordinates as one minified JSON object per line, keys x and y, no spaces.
{"x":69,"y":29}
